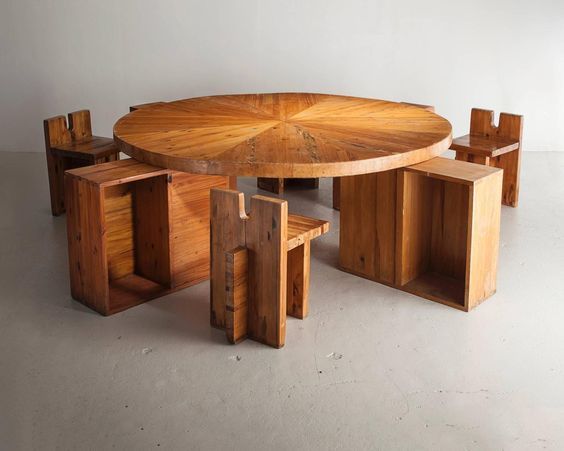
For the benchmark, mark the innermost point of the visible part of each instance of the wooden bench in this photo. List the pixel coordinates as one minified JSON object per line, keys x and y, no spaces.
{"x":136,"y":232}
{"x":260,"y":266}
{"x":72,"y":147}
{"x":496,"y":146}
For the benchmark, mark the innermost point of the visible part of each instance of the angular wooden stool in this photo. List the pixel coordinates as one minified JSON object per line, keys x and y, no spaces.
{"x":72,"y":147}
{"x":260,"y":266}
{"x":337,"y":180}
{"x":447,"y":234}
{"x":494,"y":146}
{"x":136,"y":232}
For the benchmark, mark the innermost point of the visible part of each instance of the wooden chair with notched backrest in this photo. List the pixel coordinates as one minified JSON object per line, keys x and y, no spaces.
{"x":72,"y":147}
{"x":496,"y":146}
{"x":259,"y":266}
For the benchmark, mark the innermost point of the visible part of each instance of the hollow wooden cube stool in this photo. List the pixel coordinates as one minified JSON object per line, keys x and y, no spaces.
{"x":72,"y":147}
{"x":259,"y":266}
{"x":448,"y":231}
{"x":136,"y":232}
{"x":494,"y":146}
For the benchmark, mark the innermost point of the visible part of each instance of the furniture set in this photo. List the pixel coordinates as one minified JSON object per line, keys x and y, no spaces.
{"x":171,"y":216}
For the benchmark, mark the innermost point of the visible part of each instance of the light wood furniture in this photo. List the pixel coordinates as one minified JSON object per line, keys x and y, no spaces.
{"x":259,"y":265}
{"x":291,"y":135}
{"x":72,"y":147}
{"x":277,"y":185}
{"x":448,"y":231}
{"x":337,"y":180}
{"x":496,"y":146}
{"x":136,"y":232}
{"x":430,"y":229}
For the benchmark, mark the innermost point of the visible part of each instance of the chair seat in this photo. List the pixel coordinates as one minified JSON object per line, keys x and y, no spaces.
{"x":303,"y":228}
{"x":91,"y":148}
{"x":492,"y":146}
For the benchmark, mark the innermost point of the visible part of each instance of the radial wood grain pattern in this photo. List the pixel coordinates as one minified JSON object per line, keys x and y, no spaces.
{"x":291,"y":135}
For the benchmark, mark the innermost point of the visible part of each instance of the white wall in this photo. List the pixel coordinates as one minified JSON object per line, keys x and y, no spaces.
{"x":57,"y":56}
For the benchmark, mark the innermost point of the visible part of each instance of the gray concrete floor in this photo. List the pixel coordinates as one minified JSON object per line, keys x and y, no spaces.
{"x":370,"y":368}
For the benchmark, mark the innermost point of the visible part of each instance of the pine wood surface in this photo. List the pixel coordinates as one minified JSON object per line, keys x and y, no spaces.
{"x":136,"y":232}
{"x":259,"y":266}
{"x":495,"y":145}
{"x":290,"y":135}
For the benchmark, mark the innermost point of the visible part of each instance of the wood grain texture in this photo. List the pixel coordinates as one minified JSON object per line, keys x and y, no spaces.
{"x":72,"y":147}
{"x":290,"y":135}
{"x":448,"y":231}
{"x":367,"y":225}
{"x":277,"y":262}
{"x":227,"y":232}
{"x":297,"y":283}
{"x":266,"y":240}
{"x":136,"y":232}
{"x":337,"y":181}
{"x":497,"y":146}
{"x":278,"y":185}
{"x":190,"y":226}
{"x":237,"y":294}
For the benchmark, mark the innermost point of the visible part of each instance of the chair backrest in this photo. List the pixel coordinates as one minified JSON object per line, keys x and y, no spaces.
{"x":482,"y":124}
{"x":57,"y":133}
{"x":264,"y":233}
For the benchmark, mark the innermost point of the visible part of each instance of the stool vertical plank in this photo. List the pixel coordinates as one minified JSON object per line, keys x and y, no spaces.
{"x":151,"y":232}
{"x":237,"y":307}
{"x":298,"y":281}
{"x":86,"y":247}
{"x":484,"y":241}
{"x":190,"y":226}
{"x":367,"y":225}
{"x":266,"y":238}
{"x":56,"y":132}
{"x":80,"y":125}
{"x":227,"y":232}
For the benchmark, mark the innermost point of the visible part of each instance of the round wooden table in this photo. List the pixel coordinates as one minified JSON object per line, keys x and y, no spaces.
{"x":291,"y":135}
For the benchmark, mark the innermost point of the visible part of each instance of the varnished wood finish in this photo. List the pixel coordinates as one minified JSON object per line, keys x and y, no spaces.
{"x":136,"y":232}
{"x":72,"y":147}
{"x":496,"y":146}
{"x":277,"y":185}
{"x":337,"y":181}
{"x":367,"y":225}
{"x":448,"y":231}
{"x":237,"y":294}
{"x":290,"y":135}
{"x":277,"y":278}
{"x":430,"y":108}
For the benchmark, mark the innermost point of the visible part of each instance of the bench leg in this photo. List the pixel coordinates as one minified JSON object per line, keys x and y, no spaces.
{"x":511,"y":164}
{"x":298,"y":281}
{"x":56,"y":173}
{"x":236,"y":287}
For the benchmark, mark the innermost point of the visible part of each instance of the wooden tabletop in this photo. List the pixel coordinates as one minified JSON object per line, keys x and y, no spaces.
{"x":289,"y":135}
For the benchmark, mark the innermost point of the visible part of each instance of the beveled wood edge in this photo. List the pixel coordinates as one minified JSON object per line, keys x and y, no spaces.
{"x":286,"y":170}
{"x":488,"y":171}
